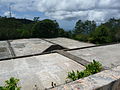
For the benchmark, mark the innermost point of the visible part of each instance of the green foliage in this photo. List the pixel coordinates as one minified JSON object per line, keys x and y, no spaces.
{"x":81,"y":37}
{"x":82,"y":74}
{"x":36,"y":19}
{"x":12,"y":28}
{"x":45,"y":29}
{"x":104,"y":33}
{"x":84,"y":27}
{"x":9,"y":27}
{"x":114,"y":26}
{"x":79,"y":27}
{"x":101,"y":35}
{"x":92,"y":68}
{"x":11,"y":84}
{"x":63,"y":33}
{"x":72,"y":75}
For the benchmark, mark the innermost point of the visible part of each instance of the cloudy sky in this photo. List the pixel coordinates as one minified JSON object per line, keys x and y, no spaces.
{"x":66,"y":12}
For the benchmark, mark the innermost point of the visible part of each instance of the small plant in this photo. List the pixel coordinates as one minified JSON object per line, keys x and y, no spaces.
{"x":92,"y":68}
{"x":11,"y":84}
{"x":72,"y":75}
{"x":82,"y":74}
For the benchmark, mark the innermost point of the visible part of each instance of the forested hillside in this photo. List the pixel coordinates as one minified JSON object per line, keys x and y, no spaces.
{"x":88,"y":31}
{"x":12,"y":28}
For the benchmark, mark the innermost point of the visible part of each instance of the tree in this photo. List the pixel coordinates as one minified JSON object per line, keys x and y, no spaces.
{"x":117,"y":36}
{"x":114,"y":27}
{"x":101,"y":35}
{"x":45,"y":29}
{"x":84,"y":27}
{"x":83,"y":30}
{"x":79,"y":27}
{"x":63,"y":33}
{"x":36,"y":19}
{"x":89,"y":26}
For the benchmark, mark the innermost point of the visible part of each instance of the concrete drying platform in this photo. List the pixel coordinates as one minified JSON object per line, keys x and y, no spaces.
{"x":108,"y":55}
{"x":23,"y":47}
{"x":4,"y":50}
{"x":38,"y":70}
{"x":27,"y":47}
{"x":69,"y":43}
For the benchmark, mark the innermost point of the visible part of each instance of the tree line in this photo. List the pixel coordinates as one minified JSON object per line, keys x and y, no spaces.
{"x":107,"y":32}
{"x":88,"y":31}
{"x":12,"y":28}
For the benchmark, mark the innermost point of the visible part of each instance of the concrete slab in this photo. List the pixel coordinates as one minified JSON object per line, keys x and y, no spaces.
{"x":4,"y":50}
{"x":38,"y":70}
{"x":108,"y":55}
{"x":69,"y":43}
{"x":24,"y":47}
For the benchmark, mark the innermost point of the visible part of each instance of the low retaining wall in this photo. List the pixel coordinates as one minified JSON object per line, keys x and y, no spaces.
{"x":105,"y":80}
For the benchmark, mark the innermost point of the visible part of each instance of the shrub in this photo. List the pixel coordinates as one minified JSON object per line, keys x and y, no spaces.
{"x":92,"y":68}
{"x":10,"y":84}
{"x":72,"y":75}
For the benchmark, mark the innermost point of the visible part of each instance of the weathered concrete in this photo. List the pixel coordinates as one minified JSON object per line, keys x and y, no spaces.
{"x":38,"y":70}
{"x":42,"y":70}
{"x":105,"y":80}
{"x":69,"y":43}
{"x":4,"y":50}
{"x":24,"y":47}
{"x":109,"y":55}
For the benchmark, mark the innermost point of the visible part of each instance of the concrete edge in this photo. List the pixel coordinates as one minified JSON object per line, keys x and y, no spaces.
{"x":91,"y":47}
{"x":105,"y":80}
{"x":26,"y":56}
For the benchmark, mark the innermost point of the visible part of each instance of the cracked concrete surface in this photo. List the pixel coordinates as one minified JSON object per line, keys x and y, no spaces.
{"x":38,"y":70}
{"x":108,"y":55}
{"x":24,"y":47}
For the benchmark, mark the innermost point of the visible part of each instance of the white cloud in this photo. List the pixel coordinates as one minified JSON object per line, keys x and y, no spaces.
{"x":98,"y":10}
{"x":109,"y":4}
{"x":7,"y":13}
